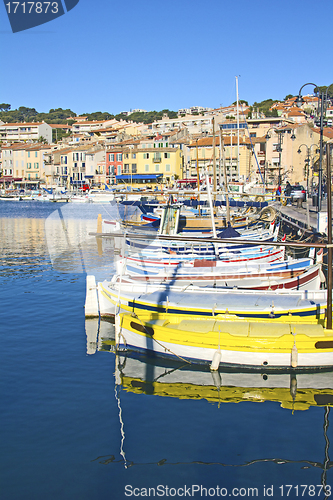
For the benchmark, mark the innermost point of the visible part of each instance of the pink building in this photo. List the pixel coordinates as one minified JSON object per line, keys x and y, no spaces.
{"x":114,"y":164}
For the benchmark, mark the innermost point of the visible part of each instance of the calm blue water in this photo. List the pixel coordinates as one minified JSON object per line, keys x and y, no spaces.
{"x":69,"y":432}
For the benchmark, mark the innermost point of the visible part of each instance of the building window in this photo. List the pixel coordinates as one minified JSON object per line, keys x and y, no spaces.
{"x":120,"y":156}
{"x":157,"y":168}
{"x":146,"y":156}
{"x":111,"y":157}
{"x":146,"y":168}
{"x":133,"y":168}
{"x":126,"y":168}
{"x":36,"y":154}
{"x":166,"y":155}
{"x":167,"y":168}
{"x":133,"y":156}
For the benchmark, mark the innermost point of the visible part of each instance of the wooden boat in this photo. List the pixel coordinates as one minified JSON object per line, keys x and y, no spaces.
{"x":226,"y":341}
{"x":162,"y":259}
{"x":288,"y":279}
{"x":131,"y":220}
{"x":278,"y":305}
{"x":137,"y":268}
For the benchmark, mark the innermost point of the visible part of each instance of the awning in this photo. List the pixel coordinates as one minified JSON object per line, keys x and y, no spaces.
{"x":139,"y":177}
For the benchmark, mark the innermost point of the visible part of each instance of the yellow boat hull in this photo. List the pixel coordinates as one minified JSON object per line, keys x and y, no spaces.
{"x":227,"y":341}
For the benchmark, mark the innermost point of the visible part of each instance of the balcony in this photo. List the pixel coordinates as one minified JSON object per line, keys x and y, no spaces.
{"x":157,"y":160}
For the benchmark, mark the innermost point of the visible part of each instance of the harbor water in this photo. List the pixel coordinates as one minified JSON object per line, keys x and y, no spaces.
{"x":79,"y":422}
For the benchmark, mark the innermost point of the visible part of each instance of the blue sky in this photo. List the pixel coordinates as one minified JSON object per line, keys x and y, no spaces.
{"x":114,"y":56}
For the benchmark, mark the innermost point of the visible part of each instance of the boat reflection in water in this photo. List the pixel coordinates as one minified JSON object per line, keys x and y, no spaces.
{"x":145,"y":374}
{"x":139,"y":374}
{"x":294,"y":392}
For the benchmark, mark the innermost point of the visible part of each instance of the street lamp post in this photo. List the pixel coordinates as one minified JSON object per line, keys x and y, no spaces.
{"x":321,"y":110}
{"x":308,"y":149}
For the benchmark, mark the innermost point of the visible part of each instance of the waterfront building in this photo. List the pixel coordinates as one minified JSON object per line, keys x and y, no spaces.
{"x":146,"y":166}
{"x":202,"y":148}
{"x":194,"y":124}
{"x":24,"y":163}
{"x":25,"y":132}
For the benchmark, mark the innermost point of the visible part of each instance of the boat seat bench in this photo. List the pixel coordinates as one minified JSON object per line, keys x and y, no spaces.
{"x":243,"y":329}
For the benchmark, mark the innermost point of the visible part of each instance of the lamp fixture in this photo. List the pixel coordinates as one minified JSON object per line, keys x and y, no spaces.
{"x":299,"y":101}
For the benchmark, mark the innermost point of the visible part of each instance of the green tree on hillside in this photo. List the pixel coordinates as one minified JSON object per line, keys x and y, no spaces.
{"x":323,"y":88}
{"x":98,"y":115}
{"x":5,"y":107}
{"x":147,"y":116}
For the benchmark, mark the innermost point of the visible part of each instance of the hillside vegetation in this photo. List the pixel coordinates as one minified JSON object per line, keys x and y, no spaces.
{"x":65,"y":116}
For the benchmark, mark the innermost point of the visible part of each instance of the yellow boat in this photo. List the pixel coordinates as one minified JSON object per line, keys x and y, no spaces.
{"x":271,"y":306}
{"x":227,"y":341}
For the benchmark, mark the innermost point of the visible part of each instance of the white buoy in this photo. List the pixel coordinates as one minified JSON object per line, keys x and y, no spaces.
{"x":216,"y":360}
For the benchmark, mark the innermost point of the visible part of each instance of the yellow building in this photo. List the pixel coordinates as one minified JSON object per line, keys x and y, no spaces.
{"x":150,"y":165}
{"x":26,"y":161}
{"x":34,"y":162}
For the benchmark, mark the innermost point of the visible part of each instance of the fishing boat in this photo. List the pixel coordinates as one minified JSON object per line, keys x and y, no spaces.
{"x":203,"y":257}
{"x":100,"y":196}
{"x":138,"y":216}
{"x":227,"y":341}
{"x":193,"y":300}
{"x":308,"y":278}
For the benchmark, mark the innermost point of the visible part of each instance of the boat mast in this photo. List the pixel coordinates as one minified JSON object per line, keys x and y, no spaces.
{"x":237,"y":127}
{"x":329,"y":236}
{"x":214,"y":163}
{"x":198,"y":177}
{"x":225,"y":176}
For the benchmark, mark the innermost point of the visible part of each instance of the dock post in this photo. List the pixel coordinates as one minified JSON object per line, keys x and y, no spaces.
{"x":99,"y":230}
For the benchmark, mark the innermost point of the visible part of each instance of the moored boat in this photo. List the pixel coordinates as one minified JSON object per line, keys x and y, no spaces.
{"x":224,"y":341}
{"x":192,"y":300}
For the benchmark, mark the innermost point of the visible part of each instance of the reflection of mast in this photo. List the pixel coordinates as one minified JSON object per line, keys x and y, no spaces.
{"x":117,"y":388}
{"x":327,"y":458}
